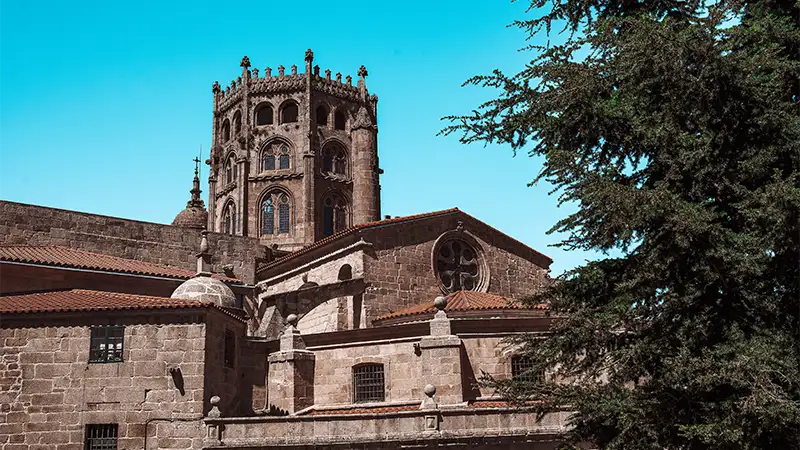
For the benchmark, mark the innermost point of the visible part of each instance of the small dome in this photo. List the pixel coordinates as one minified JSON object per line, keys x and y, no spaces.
{"x":208,"y":289}
{"x":192,"y":217}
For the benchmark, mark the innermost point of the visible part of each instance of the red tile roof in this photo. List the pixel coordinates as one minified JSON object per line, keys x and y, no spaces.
{"x":464,"y":301}
{"x":80,"y":300}
{"x":499,"y":404}
{"x":53,"y":255}
{"x":324,"y":241}
{"x":364,"y":410}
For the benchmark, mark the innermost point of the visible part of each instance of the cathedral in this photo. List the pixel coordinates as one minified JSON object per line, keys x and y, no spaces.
{"x":289,"y":314}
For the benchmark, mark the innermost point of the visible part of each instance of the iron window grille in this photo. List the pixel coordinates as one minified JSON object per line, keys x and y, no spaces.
{"x":230,"y":349}
{"x":106,"y":344}
{"x":522,"y":369}
{"x":101,"y":437}
{"x":368,"y":385}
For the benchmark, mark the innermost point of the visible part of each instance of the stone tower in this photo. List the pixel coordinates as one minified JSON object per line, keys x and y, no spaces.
{"x":294,"y":156}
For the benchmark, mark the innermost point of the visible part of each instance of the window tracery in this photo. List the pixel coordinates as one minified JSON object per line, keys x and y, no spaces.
{"x":334,"y":214}
{"x":273,"y":200}
{"x":457,"y":266}
{"x":275,"y":155}
{"x":229,"y":218}
{"x":334,"y":160}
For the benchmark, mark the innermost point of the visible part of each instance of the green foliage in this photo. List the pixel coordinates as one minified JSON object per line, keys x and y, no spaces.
{"x":675,"y":127}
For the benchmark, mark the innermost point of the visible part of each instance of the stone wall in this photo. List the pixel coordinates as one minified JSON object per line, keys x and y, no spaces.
{"x":400,"y":274}
{"x":161,"y":244}
{"x":222,"y":380}
{"x":49,"y":391}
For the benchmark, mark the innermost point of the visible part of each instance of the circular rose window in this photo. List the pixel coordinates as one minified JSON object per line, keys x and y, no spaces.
{"x":457,"y":266}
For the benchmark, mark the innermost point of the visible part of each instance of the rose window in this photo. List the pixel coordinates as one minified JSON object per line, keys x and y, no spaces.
{"x":457,"y":266}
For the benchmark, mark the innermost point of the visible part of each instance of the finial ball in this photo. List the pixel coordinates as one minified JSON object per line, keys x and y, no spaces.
{"x":440,"y":303}
{"x":429,"y":390}
{"x":291,"y":319}
{"x":215,"y":400}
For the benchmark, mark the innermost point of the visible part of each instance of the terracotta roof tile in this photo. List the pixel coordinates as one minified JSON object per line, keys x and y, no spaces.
{"x":499,"y":404}
{"x":78,"y":300}
{"x":464,"y":301}
{"x":365,"y":410}
{"x":322,"y":242}
{"x":53,"y":255}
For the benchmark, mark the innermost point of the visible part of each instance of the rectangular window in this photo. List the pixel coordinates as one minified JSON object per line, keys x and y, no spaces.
{"x":101,"y":437}
{"x":105,"y":344}
{"x":283,"y":161}
{"x":368,"y":383}
{"x":522,"y":369}
{"x":283,"y":218}
{"x":230,"y":348}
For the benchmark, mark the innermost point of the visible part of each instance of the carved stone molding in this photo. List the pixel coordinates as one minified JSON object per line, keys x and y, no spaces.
{"x":276,"y":177}
{"x":363,"y":121}
{"x":226,"y":190}
{"x":459,"y":262}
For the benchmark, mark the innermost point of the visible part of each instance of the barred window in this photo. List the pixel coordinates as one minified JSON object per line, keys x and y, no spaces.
{"x":368,"y":383}
{"x":230,"y":349}
{"x":522,"y":369}
{"x":105,"y":343}
{"x":101,"y":437}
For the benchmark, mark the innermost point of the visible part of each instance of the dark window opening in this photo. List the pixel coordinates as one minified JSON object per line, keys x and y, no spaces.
{"x":226,"y":131}
{"x":283,"y":160}
{"x":322,"y":115}
{"x":264,"y":116}
{"x":237,"y":123}
{"x":345,"y":272}
{"x":339,"y":120}
{"x":101,"y":437}
{"x":268,"y":217}
{"x":229,"y":219}
{"x":230,"y":349}
{"x":289,"y":113}
{"x":327,"y":161}
{"x":105,"y":343}
{"x":334,"y":215}
{"x":368,"y":383}
{"x":522,"y":369}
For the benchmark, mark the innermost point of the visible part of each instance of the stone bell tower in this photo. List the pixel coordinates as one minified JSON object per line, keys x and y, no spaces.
{"x":294,"y":156}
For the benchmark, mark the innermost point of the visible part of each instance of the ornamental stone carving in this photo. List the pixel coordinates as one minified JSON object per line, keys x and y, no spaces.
{"x":459,"y":264}
{"x":363,"y":120}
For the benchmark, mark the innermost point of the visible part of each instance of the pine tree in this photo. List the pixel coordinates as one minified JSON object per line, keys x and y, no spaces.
{"x":674,"y":126}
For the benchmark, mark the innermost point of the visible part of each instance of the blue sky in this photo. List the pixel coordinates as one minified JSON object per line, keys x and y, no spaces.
{"x":103,"y":104}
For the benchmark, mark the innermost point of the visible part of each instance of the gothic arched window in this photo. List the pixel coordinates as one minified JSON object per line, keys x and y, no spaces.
{"x":264,"y":114}
{"x":283,"y":160}
{"x":229,"y":218}
{"x":322,"y":115}
{"x":273,"y":200}
{"x":289,"y":113}
{"x":231,"y":171}
{"x":334,"y":214}
{"x":339,"y":120}
{"x":226,"y":131}
{"x":334,"y":159}
{"x":237,"y":123}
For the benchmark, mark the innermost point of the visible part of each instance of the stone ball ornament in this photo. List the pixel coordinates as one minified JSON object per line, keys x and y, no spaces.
{"x":440,"y":303}
{"x":429,"y":390}
{"x":291,"y":319}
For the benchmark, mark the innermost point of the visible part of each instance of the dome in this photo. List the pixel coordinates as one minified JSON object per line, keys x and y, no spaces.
{"x":192,"y":217}
{"x":208,"y":289}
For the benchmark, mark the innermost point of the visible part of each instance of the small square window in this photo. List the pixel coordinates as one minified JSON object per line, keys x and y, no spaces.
{"x":522,"y":370}
{"x":230,"y":349}
{"x":101,"y":437}
{"x":106,"y":344}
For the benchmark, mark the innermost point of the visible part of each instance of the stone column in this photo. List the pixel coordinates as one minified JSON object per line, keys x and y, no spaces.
{"x":441,"y":353}
{"x":309,"y":208}
{"x":290,"y":383}
{"x":364,"y":167}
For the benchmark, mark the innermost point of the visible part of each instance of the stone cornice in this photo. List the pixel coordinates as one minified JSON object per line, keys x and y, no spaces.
{"x":226,"y":190}
{"x":276,"y":177}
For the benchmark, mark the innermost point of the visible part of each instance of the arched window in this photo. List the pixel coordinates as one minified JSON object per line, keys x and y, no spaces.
{"x":334,"y":215}
{"x":273,"y":200}
{"x":289,"y":113}
{"x":334,"y":159}
{"x":283,"y":160}
{"x":226,"y":131}
{"x":231,"y":171}
{"x":339,"y":120}
{"x":522,"y":369}
{"x":275,"y":152}
{"x":345,"y":272}
{"x":229,"y":218}
{"x":368,"y":383}
{"x":264,"y":115}
{"x":322,"y":115}
{"x":237,"y":123}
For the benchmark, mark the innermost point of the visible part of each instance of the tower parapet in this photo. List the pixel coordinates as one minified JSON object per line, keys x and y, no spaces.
{"x":288,"y":162}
